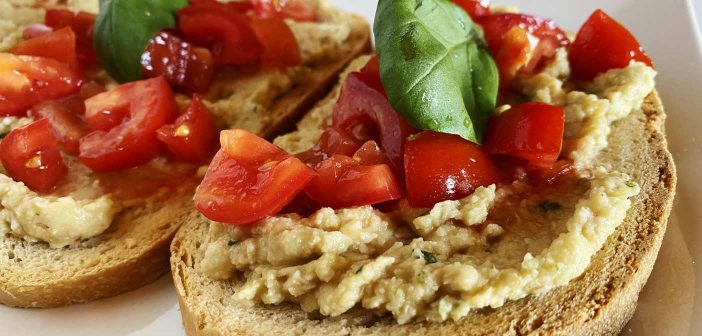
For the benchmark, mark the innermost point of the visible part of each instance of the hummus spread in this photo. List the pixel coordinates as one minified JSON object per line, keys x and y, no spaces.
{"x":497,"y":245}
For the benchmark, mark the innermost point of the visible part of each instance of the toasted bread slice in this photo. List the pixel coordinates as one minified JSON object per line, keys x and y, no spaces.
{"x":134,"y":251}
{"x":599,"y":302}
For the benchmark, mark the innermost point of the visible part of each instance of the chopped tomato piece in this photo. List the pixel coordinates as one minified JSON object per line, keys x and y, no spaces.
{"x":64,"y":117}
{"x":475,"y":8}
{"x":143,"y":107}
{"x":531,"y":131}
{"x":345,"y":182}
{"x":440,"y":167}
{"x":82,"y":24}
{"x":603,"y":44}
{"x":59,"y":45}
{"x":249,"y":179}
{"x":279,"y":47}
{"x":193,"y":136}
{"x":302,"y":205}
{"x":297,"y":10}
{"x":36,"y":30}
{"x":28,"y":80}
{"x":370,"y":74}
{"x":184,"y":66}
{"x":540,"y":175}
{"x":30,"y":155}
{"x":333,"y":141}
{"x":225,"y":31}
{"x":238,"y":6}
{"x":370,"y":154}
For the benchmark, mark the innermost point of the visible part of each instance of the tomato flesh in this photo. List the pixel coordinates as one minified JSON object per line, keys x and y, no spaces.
{"x":28,"y":80}
{"x":59,"y":45}
{"x":30,"y":155}
{"x":332,"y":141}
{"x":144,"y":107}
{"x":603,"y":44}
{"x":82,"y":24}
{"x":193,"y":136}
{"x":249,"y":179}
{"x":64,"y":117}
{"x":531,"y":131}
{"x":440,"y":167}
{"x":279,"y":46}
{"x":184,"y":66}
{"x":475,"y":8}
{"x":297,"y":10}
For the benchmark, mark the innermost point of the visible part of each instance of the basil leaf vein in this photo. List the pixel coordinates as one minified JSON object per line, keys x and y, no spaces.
{"x":435,"y":66}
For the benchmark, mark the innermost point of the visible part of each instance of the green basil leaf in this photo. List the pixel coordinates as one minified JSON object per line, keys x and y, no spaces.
{"x":435,"y":66}
{"x":123,"y":30}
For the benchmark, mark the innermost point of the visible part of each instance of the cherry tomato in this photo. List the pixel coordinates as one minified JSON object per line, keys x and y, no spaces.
{"x":297,"y":10}
{"x":30,"y":155}
{"x":249,"y":179}
{"x":143,"y":107}
{"x":59,"y":45}
{"x":28,"y":80}
{"x":185,"y":67}
{"x":531,"y":131}
{"x":333,"y":141}
{"x":193,"y":136}
{"x":225,"y":31}
{"x":82,"y":24}
{"x":603,"y":44}
{"x":64,"y":117}
{"x":475,"y":8}
{"x":440,"y":167}
{"x":279,"y":47}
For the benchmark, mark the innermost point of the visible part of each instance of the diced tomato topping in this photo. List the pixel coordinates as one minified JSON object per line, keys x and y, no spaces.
{"x":249,"y":179}
{"x":279,"y":47}
{"x":64,"y":117}
{"x":36,"y":30}
{"x":297,"y":10}
{"x":224,"y":30}
{"x":302,"y":205}
{"x":237,"y":6}
{"x":193,"y":136}
{"x":142,"y":107}
{"x":475,"y":8}
{"x":333,"y":141}
{"x":184,"y":66}
{"x":30,"y":155}
{"x":82,"y":24}
{"x":440,"y":167}
{"x":349,"y":182}
{"x":542,"y":176}
{"x":370,"y":154}
{"x":603,"y":44}
{"x":370,"y":74}
{"x":59,"y":45}
{"x":531,"y":131}
{"x":28,"y":80}
{"x":508,"y":39}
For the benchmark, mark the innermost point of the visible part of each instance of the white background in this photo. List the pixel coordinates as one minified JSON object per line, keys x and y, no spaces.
{"x":667,"y":306}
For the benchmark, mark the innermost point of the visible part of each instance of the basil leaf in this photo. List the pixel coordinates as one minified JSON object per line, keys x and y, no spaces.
{"x":123,"y":30}
{"x":435,"y":66}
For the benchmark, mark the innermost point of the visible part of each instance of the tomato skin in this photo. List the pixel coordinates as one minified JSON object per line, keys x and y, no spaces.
{"x":64,"y":118}
{"x":193,"y":136}
{"x":59,"y":45}
{"x":28,"y":80}
{"x":332,"y":141}
{"x":440,"y":167}
{"x":82,"y":24}
{"x":20,"y":146}
{"x":279,"y":46}
{"x":530,"y":131}
{"x":249,"y":179}
{"x":603,"y":44}
{"x":297,"y":10}
{"x":475,"y":8}
{"x":226,"y":32}
{"x":146,"y":106}
{"x":185,"y":67}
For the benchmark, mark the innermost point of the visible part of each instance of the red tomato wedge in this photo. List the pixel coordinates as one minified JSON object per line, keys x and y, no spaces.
{"x":184,"y":66}
{"x":225,"y":31}
{"x":333,"y":141}
{"x":249,"y":179}
{"x":440,"y":167}
{"x":345,"y":182}
{"x":297,"y":10}
{"x":143,"y":107}
{"x":475,"y":8}
{"x":279,"y":47}
{"x":64,"y":117}
{"x":59,"y":45}
{"x":28,"y":80}
{"x":531,"y":131}
{"x":193,"y":136}
{"x":603,"y":44}
{"x":82,"y":24}
{"x":30,"y":155}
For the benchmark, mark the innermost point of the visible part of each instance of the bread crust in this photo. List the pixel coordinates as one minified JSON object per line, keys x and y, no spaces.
{"x":599,"y":302}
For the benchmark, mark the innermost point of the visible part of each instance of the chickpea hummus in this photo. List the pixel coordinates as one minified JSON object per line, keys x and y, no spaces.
{"x":499,"y":244}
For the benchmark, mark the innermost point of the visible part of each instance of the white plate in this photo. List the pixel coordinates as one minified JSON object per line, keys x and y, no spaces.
{"x":671,"y":303}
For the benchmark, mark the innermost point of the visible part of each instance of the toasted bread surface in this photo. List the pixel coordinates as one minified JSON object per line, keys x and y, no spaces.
{"x":599,"y":302}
